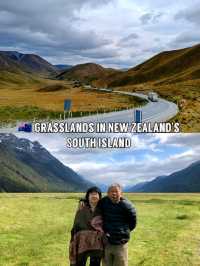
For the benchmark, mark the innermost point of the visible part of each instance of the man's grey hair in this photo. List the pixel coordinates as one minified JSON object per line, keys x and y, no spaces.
{"x":115,"y":185}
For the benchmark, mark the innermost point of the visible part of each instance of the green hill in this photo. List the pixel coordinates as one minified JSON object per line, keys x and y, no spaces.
{"x":26,"y":166}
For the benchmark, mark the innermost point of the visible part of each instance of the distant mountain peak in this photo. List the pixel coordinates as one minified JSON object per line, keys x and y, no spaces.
{"x":185,"y":180}
{"x":30,"y":62}
{"x":13,"y":54}
{"x":20,"y":144}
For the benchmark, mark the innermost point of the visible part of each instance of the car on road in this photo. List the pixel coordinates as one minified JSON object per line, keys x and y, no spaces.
{"x":153,"y":96}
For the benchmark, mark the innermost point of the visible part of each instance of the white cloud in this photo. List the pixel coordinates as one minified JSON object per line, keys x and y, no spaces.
{"x":108,"y":32}
{"x":153,"y":155}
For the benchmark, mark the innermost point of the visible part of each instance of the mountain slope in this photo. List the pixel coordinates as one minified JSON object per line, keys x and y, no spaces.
{"x":27,"y":166}
{"x":23,"y":71}
{"x":30,"y":62}
{"x":166,"y":67}
{"x":186,"y":180}
{"x":89,"y":72}
{"x":12,"y":73}
{"x":6,"y":63}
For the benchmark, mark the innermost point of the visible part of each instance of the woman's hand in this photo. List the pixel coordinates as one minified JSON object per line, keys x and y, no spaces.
{"x":81,"y":205}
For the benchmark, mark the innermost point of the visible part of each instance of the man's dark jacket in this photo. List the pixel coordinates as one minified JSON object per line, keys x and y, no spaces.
{"x":118,"y":218}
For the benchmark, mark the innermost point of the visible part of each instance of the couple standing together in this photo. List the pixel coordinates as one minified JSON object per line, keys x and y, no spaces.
{"x":102,"y":228}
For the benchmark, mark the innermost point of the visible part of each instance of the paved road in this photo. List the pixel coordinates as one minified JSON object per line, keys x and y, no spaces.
{"x":160,"y":111}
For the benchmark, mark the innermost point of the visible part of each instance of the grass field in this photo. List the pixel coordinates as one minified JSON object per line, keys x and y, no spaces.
{"x":35,"y":229}
{"x":45,"y":98}
{"x":48,"y":95}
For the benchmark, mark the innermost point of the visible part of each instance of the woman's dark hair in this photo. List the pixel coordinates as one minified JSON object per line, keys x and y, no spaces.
{"x":90,"y":190}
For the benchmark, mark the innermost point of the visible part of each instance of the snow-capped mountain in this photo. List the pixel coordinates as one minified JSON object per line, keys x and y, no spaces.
{"x":28,"y":166}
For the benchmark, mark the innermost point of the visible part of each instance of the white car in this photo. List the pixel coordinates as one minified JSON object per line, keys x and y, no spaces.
{"x":153,"y":96}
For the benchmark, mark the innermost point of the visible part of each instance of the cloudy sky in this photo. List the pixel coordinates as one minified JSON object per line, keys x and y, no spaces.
{"x":152,"y":155}
{"x":114,"y":33}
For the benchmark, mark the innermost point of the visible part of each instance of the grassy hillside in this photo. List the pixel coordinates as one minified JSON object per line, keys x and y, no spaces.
{"x":187,"y":92}
{"x":89,"y":73}
{"x":30,"y":63}
{"x":164,"y":68}
{"x":28,"y":167}
{"x":17,"y":176}
{"x":18,"y":80}
{"x":35,"y":229}
{"x":25,"y":96}
{"x":17,"y":180}
{"x":175,"y":75}
{"x":13,"y":74}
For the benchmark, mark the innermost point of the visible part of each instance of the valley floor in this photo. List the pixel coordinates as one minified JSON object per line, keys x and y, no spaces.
{"x":46,"y":99}
{"x":43,"y":98}
{"x":35,"y":229}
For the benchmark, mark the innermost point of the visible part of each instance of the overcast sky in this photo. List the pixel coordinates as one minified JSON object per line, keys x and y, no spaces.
{"x":114,"y":33}
{"x":153,"y":155}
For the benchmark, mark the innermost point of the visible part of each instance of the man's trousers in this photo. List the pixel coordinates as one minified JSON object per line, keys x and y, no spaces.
{"x":116,"y":255}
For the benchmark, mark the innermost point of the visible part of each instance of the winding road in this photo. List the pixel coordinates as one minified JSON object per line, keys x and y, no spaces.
{"x":160,"y":111}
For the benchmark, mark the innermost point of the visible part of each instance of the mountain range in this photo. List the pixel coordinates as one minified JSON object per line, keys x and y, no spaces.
{"x":30,"y":63}
{"x":174,"y":75}
{"x":26,"y":166}
{"x":164,"y":68}
{"x":186,"y":180}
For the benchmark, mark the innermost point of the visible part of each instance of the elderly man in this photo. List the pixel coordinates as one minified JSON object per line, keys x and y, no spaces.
{"x":119,"y":218}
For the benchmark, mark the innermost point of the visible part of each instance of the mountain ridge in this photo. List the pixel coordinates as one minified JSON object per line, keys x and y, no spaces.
{"x":27,"y":166}
{"x":185,"y":180}
{"x":88,"y":73}
{"x":30,"y":63}
{"x":163,"y":68}
{"x":166,"y":67}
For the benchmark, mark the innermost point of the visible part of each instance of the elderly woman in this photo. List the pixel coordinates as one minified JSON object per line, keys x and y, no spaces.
{"x":87,"y":233}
